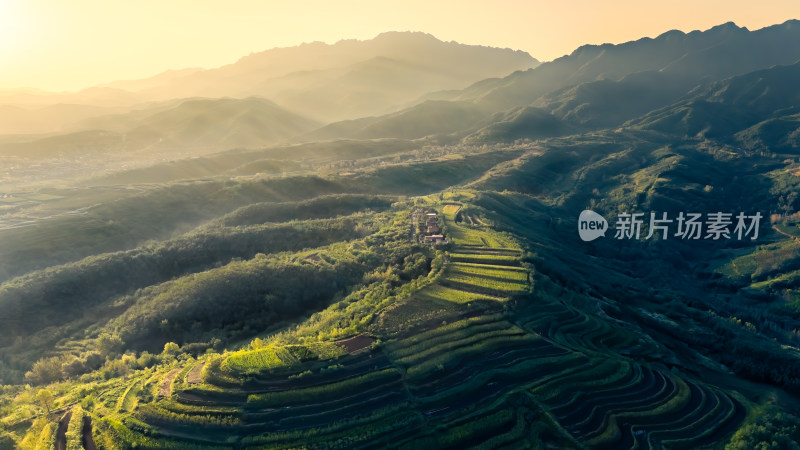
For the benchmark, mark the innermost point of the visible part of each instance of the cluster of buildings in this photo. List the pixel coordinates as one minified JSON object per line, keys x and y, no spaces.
{"x":426,"y":225}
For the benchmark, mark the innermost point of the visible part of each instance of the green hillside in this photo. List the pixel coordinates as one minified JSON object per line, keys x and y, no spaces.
{"x":416,"y":279}
{"x":365,"y":337}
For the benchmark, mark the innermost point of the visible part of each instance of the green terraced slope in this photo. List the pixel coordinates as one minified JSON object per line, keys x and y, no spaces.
{"x":478,"y":362}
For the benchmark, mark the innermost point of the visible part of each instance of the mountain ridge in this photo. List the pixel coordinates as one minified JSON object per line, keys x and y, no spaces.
{"x":674,"y":51}
{"x":459,"y":63}
{"x":312,"y":79}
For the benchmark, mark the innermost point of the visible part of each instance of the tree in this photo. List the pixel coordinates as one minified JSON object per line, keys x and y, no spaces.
{"x":94,"y":360}
{"x":45,"y":370}
{"x":256,"y":344}
{"x":147,"y":359}
{"x":45,"y":397}
{"x":171,"y":348}
{"x":215,"y":343}
{"x":107,"y":343}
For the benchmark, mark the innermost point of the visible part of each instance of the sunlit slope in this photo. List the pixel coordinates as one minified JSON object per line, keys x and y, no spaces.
{"x":104,"y":224}
{"x":457,"y":371}
{"x":513,"y":333}
{"x":202,"y":125}
{"x":125,"y":256}
{"x":507,"y":335}
{"x":756,"y":112}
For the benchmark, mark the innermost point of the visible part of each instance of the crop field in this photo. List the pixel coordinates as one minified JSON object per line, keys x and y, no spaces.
{"x":415,"y":311}
{"x":366,"y":390}
{"x":763,"y":262}
{"x":480,"y":237}
{"x":455,"y":295}
{"x":488,"y":271}
{"x":625,"y":406}
{"x":255,"y":360}
{"x":475,"y":282}
{"x":446,"y":357}
{"x":128,"y":401}
{"x":489,"y":259}
{"x":474,"y":236}
{"x":450,"y":211}
{"x":477,"y":271}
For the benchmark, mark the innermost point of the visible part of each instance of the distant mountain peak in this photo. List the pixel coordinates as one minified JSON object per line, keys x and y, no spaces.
{"x":671,"y":34}
{"x":405,"y":34}
{"x":727,"y":27}
{"x":790,"y":23}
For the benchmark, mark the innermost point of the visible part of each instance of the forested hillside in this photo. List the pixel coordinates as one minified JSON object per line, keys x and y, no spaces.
{"x":415,"y":278}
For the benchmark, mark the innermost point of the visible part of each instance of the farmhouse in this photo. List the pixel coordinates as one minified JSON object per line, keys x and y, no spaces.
{"x":435,"y":239}
{"x":429,"y":232}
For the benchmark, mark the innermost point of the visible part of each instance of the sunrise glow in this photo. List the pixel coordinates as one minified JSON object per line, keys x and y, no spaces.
{"x":58,"y":45}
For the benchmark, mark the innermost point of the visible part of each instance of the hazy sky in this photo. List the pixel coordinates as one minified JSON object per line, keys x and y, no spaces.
{"x":68,"y":45}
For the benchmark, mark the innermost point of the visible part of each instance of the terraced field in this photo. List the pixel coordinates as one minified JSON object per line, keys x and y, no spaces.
{"x":454,"y":369}
{"x":487,"y":277}
{"x":623,"y":405}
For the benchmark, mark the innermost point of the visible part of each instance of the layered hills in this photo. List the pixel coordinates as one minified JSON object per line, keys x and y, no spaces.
{"x":295,"y":293}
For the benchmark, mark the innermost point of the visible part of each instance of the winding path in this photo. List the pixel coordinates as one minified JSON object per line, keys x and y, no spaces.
{"x":796,"y":239}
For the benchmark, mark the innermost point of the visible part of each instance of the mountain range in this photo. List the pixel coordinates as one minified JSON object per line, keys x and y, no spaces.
{"x":251,"y":254}
{"x":346,"y":80}
{"x":396,"y":86}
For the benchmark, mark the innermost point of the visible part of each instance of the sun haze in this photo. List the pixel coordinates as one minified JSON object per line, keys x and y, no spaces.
{"x":57,"y":45}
